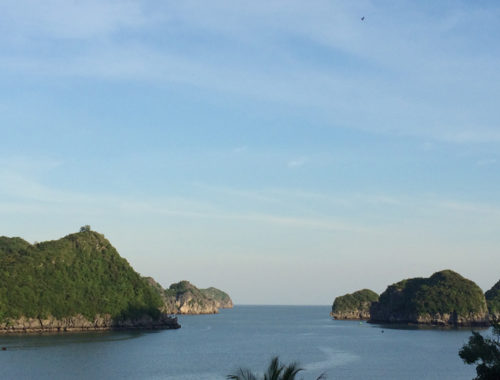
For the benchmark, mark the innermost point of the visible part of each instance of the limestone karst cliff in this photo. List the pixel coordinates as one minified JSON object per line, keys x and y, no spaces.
{"x":185,"y":298}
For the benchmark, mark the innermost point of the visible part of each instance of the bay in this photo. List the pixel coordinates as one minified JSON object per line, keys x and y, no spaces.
{"x":212,"y":346}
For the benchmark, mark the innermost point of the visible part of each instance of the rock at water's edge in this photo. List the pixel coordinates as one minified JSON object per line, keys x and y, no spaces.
{"x":80,"y":323}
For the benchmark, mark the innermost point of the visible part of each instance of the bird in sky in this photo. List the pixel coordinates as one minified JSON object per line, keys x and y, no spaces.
{"x":363,"y":18}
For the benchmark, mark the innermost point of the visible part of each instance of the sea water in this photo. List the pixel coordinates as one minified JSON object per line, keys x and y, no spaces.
{"x":213,"y":346}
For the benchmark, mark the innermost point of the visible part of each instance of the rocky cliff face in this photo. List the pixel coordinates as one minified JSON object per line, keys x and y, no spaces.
{"x":493,"y":301}
{"x":185,"y":298}
{"x":189,"y":300}
{"x":81,"y":323}
{"x":354,"y":305}
{"x":445,"y":298}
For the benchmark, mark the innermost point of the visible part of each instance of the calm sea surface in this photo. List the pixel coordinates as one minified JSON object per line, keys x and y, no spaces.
{"x":212,"y":346}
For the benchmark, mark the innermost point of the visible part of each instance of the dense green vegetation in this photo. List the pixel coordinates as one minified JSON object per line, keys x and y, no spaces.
{"x":360,"y":300}
{"x":443,"y":292}
{"x":81,"y":273}
{"x":222,"y":298}
{"x":485,"y":353}
{"x":493,"y":300}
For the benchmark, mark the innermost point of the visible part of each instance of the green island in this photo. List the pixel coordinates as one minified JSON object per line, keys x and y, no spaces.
{"x":78,"y":282}
{"x":354,"y":305}
{"x":493,"y":301}
{"x":221,"y":298}
{"x":446,"y":298}
{"x":185,"y":298}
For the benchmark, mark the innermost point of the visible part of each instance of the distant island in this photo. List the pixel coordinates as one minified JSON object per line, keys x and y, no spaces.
{"x":354,"y":305}
{"x":444,"y":299}
{"x":185,"y":298}
{"x":76,"y":283}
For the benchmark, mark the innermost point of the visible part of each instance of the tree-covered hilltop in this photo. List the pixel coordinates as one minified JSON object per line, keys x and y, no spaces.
{"x":221,"y":298}
{"x":80,"y":274}
{"x":493,"y":301}
{"x":354,"y":305}
{"x":185,"y":298}
{"x":445,"y":298}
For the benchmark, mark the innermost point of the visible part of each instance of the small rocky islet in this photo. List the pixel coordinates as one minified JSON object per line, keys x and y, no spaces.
{"x":81,"y":283}
{"x":444,"y":299}
{"x":185,"y":298}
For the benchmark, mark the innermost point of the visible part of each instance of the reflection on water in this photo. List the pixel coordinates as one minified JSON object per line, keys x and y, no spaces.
{"x":411,"y":326}
{"x":29,"y":342}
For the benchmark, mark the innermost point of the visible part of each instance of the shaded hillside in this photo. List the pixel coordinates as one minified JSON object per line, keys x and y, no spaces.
{"x":493,"y":301}
{"x":445,"y":298}
{"x":80,"y":279}
{"x":354,"y":305}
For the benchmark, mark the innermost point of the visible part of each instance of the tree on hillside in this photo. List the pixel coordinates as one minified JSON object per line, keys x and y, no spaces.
{"x":275,"y":371}
{"x":85,"y":228}
{"x":485,"y":352}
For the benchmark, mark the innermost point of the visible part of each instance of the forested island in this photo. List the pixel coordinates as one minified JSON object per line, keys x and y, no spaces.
{"x":445,"y":299}
{"x":79,"y":282}
{"x":354,"y":305}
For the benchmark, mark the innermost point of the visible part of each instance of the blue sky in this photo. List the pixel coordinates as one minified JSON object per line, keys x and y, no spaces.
{"x":284,"y":151}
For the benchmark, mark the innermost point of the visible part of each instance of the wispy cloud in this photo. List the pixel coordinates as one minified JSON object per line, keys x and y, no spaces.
{"x":254,"y":53}
{"x":298,"y":162}
{"x":471,"y":207}
{"x":27,"y":196}
{"x":59,"y":19}
{"x":240,"y":149}
{"x":487,"y":162}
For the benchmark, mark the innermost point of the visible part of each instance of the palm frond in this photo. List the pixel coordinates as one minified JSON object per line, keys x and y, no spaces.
{"x":291,"y":371}
{"x":242,"y":374}
{"x":274,"y":370}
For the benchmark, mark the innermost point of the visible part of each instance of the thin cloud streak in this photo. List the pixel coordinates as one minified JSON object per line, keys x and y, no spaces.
{"x":361,"y":99}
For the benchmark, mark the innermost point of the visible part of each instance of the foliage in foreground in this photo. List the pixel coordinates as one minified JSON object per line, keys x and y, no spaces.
{"x":485,"y":353}
{"x":275,"y":371}
{"x":81,"y":273}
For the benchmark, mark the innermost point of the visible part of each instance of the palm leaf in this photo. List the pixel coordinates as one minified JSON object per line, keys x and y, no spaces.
{"x":274,"y":370}
{"x":242,"y":374}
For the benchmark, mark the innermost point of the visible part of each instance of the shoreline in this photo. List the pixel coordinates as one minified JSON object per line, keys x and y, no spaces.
{"x":79,"y":323}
